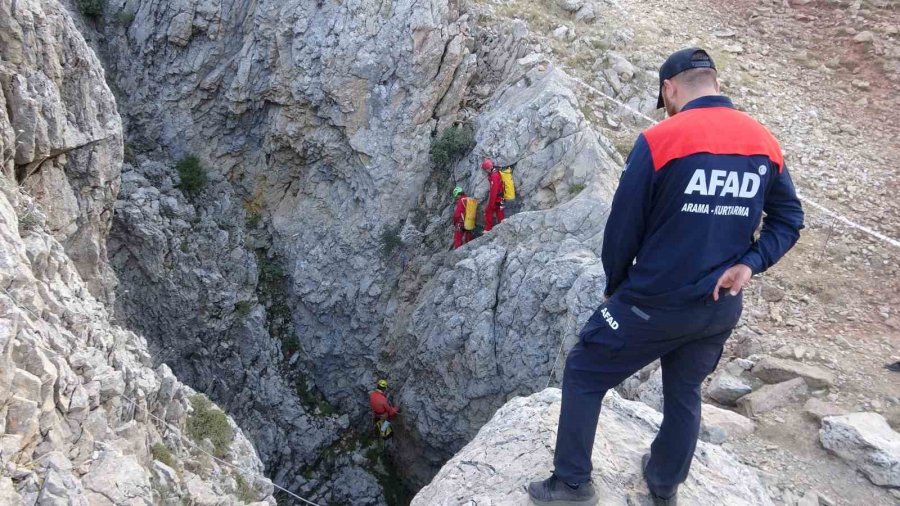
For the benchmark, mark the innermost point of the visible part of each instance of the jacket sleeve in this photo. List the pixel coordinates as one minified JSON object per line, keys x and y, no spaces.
{"x":458,"y":212}
{"x":781,"y":225}
{"x":628,"y":216}
{"x":496,"y":186}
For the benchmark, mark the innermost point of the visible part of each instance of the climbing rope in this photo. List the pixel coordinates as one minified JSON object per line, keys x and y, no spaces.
{"x":181,"y":436}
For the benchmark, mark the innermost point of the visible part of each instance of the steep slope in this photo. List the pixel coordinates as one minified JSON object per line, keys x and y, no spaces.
{"x":84,"y":416}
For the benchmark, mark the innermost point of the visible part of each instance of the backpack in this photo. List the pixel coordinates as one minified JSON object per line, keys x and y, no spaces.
{"x":471,"y":211}
{"x":509,"y":187}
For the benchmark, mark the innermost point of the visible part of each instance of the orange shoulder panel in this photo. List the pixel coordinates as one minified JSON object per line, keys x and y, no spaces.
{"x":714,"y":130}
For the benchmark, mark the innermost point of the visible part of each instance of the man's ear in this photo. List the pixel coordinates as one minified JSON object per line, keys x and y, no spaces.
{"x":717,"y":86}
{"x":668,"y":88}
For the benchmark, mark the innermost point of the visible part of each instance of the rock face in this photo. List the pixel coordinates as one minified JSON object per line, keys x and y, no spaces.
{"x":61,"y":131}
{"x":314,"y":122}
{"x":85,"y":417}
{"x":492,"y":319}
{"x":866,"y":441}
{"x":515,"y":447}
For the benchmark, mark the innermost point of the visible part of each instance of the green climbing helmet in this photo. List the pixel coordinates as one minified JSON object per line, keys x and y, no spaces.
{"x":382,"y":384}
{"x":457,"y":191}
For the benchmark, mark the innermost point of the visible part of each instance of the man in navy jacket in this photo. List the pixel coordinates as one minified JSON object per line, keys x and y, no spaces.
{"x":680,"y":243}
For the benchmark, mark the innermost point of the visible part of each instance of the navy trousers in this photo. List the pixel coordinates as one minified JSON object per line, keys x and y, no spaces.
{"x":618,"y":340}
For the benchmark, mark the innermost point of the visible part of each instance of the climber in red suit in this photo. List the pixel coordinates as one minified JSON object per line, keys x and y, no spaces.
{"x":495,"y":195}
{"x":460,"y":234}
{"x":381,"y":407}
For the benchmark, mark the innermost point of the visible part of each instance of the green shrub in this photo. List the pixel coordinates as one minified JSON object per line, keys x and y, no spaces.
{"x":451,"y":145}
{"x":162,"y":454}
{"x":125,"y":18}
{"x":209,"y":422}
{"x":253,"y":220}
{"x":29,"y":221}
{"x":289,"y":344}
{"x":245,"y":492}
{"x":128,"y":153}
{"x":575,"y":189}
{"x":91,"y":8}
{"x":390,"y":240}
{"x":243,"y":308}
{"x":192,"y":175}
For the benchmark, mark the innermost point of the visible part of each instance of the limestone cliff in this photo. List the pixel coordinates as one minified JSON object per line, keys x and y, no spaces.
{"x":305,"y":268}
{"x":281,"y":284}
{"x":85,"y":417}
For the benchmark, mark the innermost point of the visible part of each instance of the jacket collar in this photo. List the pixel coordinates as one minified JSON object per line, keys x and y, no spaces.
{"x":708,"y":101}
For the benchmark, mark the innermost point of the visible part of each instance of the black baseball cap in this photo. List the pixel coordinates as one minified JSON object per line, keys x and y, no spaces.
{"x":686,"y":59}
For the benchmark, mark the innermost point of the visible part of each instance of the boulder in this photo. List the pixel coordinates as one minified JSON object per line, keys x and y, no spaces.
{"x":771,"y":397}
{"x":866,"y":442}
{"x":726,"y":388}
{"x":777,"y":370}
{"x":719,"y":425}
{"x":817,"y":409}
{"x":570,"y":5}
{"x":516,"y":447}
{"x":864,"y":36}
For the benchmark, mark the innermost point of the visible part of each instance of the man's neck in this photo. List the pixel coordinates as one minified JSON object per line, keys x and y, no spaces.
{"x":696,"y":95}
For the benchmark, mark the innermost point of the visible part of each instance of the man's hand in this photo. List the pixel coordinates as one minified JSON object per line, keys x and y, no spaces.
{"x":734,"y":278}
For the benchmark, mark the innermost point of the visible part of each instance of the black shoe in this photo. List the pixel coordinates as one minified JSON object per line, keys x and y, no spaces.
{"x":893,"y":367}
{"x":672,"y":500}
{"x":553,"y":492}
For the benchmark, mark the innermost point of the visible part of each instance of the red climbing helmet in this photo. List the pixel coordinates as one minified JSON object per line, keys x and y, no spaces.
{"x":487,"y":164}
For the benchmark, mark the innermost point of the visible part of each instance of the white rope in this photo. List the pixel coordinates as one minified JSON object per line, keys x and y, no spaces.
{"x":558,"y":353}
{"x":843,"y":218}
{"x":169,"y":426}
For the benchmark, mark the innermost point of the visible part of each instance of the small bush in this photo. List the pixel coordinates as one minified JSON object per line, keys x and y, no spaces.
{"x":243,"y":308}
{"x":28,"y":222}
{"x":313,"y":399}
{"x":253,"y":220}
{"x":162,"y":454}
{"x":451,"y":145}
{"x":245,"y":492}
{"x":126,"y":18}
{"x":91,"y":8}
{"x":254,"y":209}
{"x":209,"y":422}
{"x":128,"y":153}
{"x":192,"y":175}
{"x":390,"y":240}
{"x":289,"y":344}
{"x":575,"y":189}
